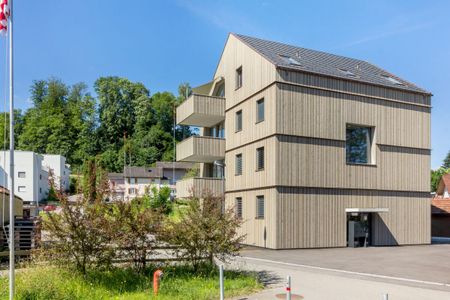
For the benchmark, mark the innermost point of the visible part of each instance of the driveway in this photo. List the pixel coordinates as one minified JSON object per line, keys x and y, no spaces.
{"x":408,"y":272}
{"x":422,"y":263}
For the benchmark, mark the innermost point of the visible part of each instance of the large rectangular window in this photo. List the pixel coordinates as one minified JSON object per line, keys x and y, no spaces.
{"x":260,"y":207}
{"x":238,"y":207}
{"x":358,"y":144}
{"x":260,"y":110}
{"x":260,"y":158}
{"x":238,"y":168}
{"x":238,"y":121}
{"x":239,"y":77}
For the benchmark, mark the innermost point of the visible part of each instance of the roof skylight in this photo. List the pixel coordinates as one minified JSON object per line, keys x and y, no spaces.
{"x":347,"y":72}
{"x":290,"y":60}
{"x":392,"y":79}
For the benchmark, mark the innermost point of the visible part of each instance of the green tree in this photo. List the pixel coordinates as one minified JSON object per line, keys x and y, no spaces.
{"x":446,"y":162}
{"x":436,"y":177}
{"x":4,"y":128}
{"x":118,"y":98}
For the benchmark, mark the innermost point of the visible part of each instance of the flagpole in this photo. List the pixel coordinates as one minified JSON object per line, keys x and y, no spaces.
{"x":11,"y":157}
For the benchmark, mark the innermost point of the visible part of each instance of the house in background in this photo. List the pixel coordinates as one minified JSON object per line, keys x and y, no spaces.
{"x":60,"y":170}
{"x":31,"y":174}
{"x":440,"y":209}
{"x":136,"y":181}
{"x":317,"y":150}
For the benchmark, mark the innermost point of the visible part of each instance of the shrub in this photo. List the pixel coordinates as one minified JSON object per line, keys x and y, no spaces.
{"x":135,"y":228}
{"x":203,"y":231}
{"x":80,"y":234}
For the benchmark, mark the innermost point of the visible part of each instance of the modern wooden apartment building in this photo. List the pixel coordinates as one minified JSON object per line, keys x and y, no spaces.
{"x":319,"y":150}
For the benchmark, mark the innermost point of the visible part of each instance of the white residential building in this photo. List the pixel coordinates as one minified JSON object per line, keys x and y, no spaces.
{"x":60,"y":170}
{"x":30,"y":183}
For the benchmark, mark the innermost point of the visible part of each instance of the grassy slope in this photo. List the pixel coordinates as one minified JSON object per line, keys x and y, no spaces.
{"x":178,"y":283}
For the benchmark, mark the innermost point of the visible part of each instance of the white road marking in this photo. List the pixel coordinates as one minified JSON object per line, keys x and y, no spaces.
{"x":348,"y":272}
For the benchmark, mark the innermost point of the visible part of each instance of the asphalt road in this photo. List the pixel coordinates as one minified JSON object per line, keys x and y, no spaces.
{"x":404,"y":273}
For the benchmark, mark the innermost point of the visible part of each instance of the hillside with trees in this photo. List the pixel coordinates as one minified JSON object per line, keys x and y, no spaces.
{"x":122,"y":124}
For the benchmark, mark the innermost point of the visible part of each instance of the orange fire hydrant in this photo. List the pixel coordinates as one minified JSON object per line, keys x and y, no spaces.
{"x":156,"y":280}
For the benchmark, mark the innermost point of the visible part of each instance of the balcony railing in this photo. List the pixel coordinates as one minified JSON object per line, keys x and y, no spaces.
{"x":201,"y":149}
{"x":201,"y":110}
{"x":200,"y":187}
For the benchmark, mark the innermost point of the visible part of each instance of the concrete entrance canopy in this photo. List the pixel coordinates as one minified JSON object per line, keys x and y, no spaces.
{"x":366,"y":210}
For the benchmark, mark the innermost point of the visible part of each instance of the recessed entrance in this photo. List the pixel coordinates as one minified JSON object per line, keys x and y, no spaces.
{"x":359,"y":229}
{"x":360,"y":225}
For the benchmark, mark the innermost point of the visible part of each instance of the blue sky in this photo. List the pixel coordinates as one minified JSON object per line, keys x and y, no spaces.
{"x":163,"y":43}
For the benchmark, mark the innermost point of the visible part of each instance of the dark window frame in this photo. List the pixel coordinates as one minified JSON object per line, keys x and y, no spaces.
{"x":238,"y":207}
{"x":238,"y":171}
{"x":239,"y":78}
{"x":369,"y":136}
{"x":260,"y":163}
{"x":239,"y":119}
{"x":260,"y":208}
{"x":258,"y":102}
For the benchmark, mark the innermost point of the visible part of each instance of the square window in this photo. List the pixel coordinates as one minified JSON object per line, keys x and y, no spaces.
{"x":21,"y":188}
{"x":239,"y":77}
{"x":238,"y":167}
{"x":238,"y":120}
{"x":260,"y":158}
{"x":358,"y":144}
{"x":260,"y":207}
{"x":238,"y":207}
{"x":21,"y":174}
{"x":260,"y":110}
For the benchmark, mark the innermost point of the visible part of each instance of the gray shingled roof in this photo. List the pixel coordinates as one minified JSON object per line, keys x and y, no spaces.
{"x":142,"y":172}
{"x":178,"y":165}
{"x":325,"y":64}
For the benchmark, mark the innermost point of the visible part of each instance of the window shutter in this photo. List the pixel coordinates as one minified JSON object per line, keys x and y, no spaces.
{"x":260,"y":207}
{"x":238,"y":207}
{"x":260,"y":158}
{"x":238,"y":170}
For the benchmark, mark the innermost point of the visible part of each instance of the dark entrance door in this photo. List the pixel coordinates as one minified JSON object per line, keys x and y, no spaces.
{"x":359,"y":229}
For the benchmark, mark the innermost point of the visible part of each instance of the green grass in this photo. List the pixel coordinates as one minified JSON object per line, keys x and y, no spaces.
{"x":179,"y":282}
{"x":177,"y":208}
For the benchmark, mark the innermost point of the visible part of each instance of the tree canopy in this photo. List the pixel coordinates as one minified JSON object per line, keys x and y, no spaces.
{"x":122,"y":124}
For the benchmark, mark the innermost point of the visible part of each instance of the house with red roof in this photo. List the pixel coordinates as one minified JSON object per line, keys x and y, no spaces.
{"x":440,"y":209}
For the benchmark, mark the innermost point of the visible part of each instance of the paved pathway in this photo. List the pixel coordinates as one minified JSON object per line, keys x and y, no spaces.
{"x":326,"y":278}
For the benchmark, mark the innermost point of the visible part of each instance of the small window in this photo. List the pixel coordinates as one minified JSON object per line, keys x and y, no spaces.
{"x":347,"y":72}
{"x":239,"y":77}
{"x":239,"y":121}
{"x":21,"y":174}
{"x":260,"y":207}
{"x":238,"y":207}
{"x":40,"y":176}
{"x":358,"y":144}
{"x":40,"y":190}
{"x":238,"y":168}
{"x":131,"y":191}
{"x":260,"y":158}
{"x":22,"y":188}
{"x":290,"y":60}
{"x":392,"y":79}
{"x":260,"y":110}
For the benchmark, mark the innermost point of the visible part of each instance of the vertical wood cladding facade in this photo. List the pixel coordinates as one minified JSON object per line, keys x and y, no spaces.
{"x":306,"y":182}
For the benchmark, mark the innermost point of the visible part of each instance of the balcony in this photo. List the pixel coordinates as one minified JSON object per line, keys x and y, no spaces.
{"x":201,"y":111}
{"x":202,"y":149}
{"x":199,"y":187}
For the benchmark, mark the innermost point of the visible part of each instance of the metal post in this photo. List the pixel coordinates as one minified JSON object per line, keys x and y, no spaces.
{"x":222,"y":294}
{"x":288,"y":288}
{"x":385,"y":297}
{"x":11,"y":157}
